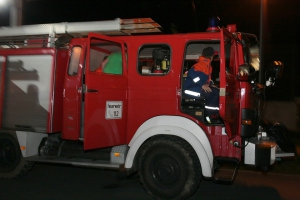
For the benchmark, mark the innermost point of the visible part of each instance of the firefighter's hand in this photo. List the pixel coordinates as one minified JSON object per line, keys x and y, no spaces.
{"x":206,"y":88}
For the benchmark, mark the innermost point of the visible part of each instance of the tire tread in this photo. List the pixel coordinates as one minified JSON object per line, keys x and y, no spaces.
{"x":23,"y":166}
{"x":188,"y":151}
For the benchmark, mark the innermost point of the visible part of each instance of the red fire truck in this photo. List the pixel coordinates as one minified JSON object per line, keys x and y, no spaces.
{"x":60,"y":104}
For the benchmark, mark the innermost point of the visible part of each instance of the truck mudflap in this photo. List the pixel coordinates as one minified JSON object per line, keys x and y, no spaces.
{"x":277,"y":131}
{"x":260,"y":152}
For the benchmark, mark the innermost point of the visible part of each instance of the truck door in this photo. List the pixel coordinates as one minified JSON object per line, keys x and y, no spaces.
{"x":105,"y":116}
{"x":229,"y":87}
{"x":72,"y":93}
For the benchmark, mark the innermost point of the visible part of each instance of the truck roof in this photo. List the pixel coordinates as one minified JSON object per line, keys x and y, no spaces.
{"x":50,"y":32}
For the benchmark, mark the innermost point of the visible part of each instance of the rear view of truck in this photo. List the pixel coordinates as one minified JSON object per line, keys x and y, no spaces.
{"x":31,"y":95}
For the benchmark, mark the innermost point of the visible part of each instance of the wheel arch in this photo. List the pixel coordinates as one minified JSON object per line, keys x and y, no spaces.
{"x":13,"y":133}
{"x":176,"y":126}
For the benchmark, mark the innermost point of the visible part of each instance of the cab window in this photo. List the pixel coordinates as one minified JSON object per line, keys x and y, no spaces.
{"x":229,"y":56}
{"x":251,"y":50}
{"x":154,"y":60}
{"x":74,"y":60}
{"x":106,"y":57}
{"x":194,"y":50}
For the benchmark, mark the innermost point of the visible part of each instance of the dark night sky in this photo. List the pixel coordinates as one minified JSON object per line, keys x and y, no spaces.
{"x":245,"y":13}
{"x":284,"y":16}
{"x":282,"y":41}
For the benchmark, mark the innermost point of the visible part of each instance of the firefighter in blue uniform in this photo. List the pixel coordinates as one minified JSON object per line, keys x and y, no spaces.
{"x":198,"y":83}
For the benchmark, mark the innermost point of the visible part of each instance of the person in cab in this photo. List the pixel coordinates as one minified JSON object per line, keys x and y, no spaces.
{"x":198,"y":84}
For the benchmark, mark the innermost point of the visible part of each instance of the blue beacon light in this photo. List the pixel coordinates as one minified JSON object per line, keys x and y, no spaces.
{"x":213,"y":24}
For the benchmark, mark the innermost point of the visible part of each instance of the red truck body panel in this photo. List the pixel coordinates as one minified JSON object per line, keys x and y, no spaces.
{"x":78,"y":99}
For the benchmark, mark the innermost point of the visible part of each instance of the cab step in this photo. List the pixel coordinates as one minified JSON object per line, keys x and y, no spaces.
{"x":226,"y":169}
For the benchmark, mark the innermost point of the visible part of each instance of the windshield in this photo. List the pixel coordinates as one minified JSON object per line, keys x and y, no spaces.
{"x":251,"y":50}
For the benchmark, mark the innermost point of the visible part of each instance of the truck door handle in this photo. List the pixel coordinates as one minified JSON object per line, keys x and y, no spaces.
{"x":92,"y":90}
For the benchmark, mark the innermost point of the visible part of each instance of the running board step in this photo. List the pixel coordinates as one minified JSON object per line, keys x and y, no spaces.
{"x":81,"y":162}
{"x":226,"y":170}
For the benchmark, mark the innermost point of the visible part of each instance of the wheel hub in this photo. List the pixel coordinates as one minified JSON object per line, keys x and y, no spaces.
{"x":165,"y":171}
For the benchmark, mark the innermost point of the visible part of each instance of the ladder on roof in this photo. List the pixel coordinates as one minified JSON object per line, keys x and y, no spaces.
{"x":118,"y":26}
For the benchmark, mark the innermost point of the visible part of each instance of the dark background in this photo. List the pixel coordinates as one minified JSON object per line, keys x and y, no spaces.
{"x":280,"y":32}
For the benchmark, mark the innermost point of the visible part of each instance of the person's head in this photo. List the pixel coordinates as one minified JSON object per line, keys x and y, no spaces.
{"x":209,"y":52}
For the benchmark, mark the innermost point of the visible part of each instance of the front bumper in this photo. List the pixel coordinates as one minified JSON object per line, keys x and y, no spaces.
{"x":260,"y":152}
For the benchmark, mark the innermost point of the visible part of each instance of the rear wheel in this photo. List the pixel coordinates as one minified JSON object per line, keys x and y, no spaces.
{"x":12,"y":163}
{"x":169,"y":168}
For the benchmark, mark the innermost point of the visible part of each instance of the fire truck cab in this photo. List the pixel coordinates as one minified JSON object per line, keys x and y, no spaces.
{"x":115,"y":101}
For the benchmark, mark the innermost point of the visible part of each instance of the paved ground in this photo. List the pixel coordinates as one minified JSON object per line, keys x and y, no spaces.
{"x":64,"y":182}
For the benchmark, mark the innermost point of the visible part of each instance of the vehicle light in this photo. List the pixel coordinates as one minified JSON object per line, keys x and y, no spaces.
{"x":117,"y":154}
{"x":22,"y":147}
{"x":246,"y":122}
{"x":213,"y":24}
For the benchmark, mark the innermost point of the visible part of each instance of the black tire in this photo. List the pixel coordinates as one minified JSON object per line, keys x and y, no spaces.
{"x":169,"y":168}
{"x":12,"y":163}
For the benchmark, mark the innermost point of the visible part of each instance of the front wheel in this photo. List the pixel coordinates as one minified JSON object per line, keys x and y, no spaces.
{"x":12,"y":163}
{"x":169,"y":168}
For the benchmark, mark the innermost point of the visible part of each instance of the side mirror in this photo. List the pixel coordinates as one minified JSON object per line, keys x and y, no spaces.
{"x":276,"y":69}
{"x":243,"y":72}
{"x":274,"y":72}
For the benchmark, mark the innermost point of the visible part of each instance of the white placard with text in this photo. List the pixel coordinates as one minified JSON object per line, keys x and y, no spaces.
{"x":113,"y":109}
